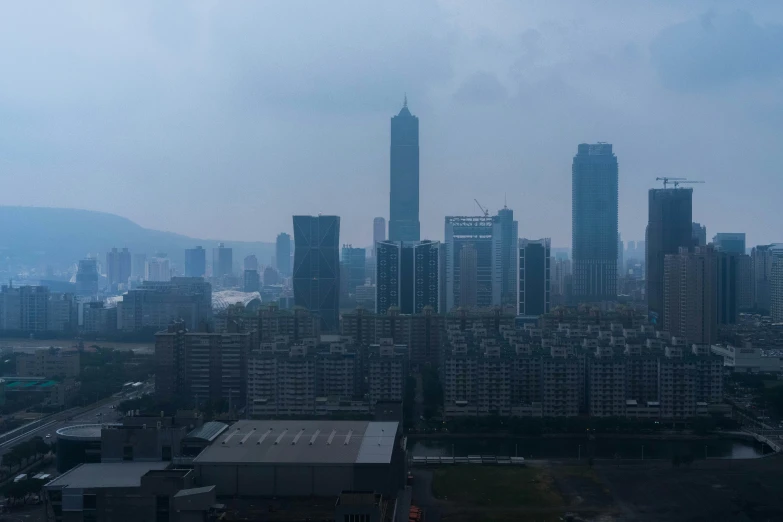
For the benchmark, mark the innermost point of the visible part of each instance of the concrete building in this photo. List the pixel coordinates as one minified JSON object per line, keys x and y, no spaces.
{"x":155,"y":305}
{"x":141,"y":439}
{"x":606,"y":383}
{"x":762,"y":258}
{"x":138,"y":263}
{"x":404,"y":177}
{"x":594,"y":197}
{"x":407,"y":276}
{"x":691,"y":295}
{"x":534,"y":277}
{"x":49,"y":363}
{"x":688,"y":382}
{"x":378,"y":232}
{"x":699,"y":234}
{"x":25,"y":308}
{"x":727,"y":288}
{"x":251,"y":281}
{"x":295,"y":324}
{"x":283,"y":254}
{"x":222,"y":261}
{"x":776,"y":287}
{"x":669,"y":228}
{"x":304,"y":458}
{"x":118,"y":267}
{"x":96,"y":317}
{"x":317,"y":268}
{"x":157,"y":269}
{"x":745,"y":300}
{"x":61,"y":313}
{"x":355,"y":262}
{"x":282,"y":380}
{"x":387,"y":370}
{"x":195,"y":262}
{"x":251,"y":262}
{"x":747,"y":359}
{"x":475,"y":234}
{"x":733,"y":243}
{"x":127,"y":492}
{"x":468,"y":268}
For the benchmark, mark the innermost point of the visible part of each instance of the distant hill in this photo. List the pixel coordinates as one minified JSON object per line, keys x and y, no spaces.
{"x":61,"y":236}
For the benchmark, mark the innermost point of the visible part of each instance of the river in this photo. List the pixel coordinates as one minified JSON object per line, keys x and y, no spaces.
{"x":605,"y":448}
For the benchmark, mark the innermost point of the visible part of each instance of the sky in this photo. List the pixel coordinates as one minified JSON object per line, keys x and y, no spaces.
{"x":224,"y":119}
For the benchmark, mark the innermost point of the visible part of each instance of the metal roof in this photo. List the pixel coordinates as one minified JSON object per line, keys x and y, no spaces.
{"x":193,"y":491}
{"x":106,"y":475}
{"x":208,"y":431}
{"x":302,"y":442}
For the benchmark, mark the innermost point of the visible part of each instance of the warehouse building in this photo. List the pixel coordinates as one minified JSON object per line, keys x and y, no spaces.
{"x":304,"y":458}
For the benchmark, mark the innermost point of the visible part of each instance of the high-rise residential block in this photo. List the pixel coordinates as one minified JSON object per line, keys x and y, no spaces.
{"x":729,"y":242}
{"x":404,"y":177}
{"x":594,"y":198}
{"x":407,"y":276}
{"x":294,"y":324}
{"x":699,"y":234}
{"x":378,"y":232}
{"x":534,"y":277}
{"x":776,"y":287}
{"x":157,"y":269}
{"x":118,"y":267}
{"x":691,"y":295}
{"x":195,"y":262}
{"x":746,"y":283}
{"x":387,"y":365}
{"x":283,"y":254}
{"x":762,"y":257}
{"x":669,"y":228}
{"x":222,"y":261}
{"x":317,"y":267}
{"x":156,"y":304}
{"x":138,"y":264}
{"x":25,"y":308}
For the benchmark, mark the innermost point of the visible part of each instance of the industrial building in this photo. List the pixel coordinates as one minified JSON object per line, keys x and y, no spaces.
{"x":304,"y":458}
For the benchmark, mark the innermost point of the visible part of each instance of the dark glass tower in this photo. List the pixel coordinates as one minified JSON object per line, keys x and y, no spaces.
{"x":505,"y":230}
{"x":594,"y":195}
{"x":534,"y":276}
{"x":407,"y":276}
{"x":195,"y":262}
{"x":669,"y":228}
{"x":317,"y":268}
{"x":404,"y":177}
{"x":283,"y":254}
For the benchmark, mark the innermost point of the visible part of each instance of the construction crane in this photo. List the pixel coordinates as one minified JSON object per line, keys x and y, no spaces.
{"x":485,"y":211}
{"x":666,"y":181}
{"x":678,"y":183}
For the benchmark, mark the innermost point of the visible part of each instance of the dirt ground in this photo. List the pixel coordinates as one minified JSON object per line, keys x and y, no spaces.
{"x":650,"y":491}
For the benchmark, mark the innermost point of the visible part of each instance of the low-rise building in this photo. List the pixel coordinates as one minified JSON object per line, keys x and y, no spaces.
{"x":747,"y":359}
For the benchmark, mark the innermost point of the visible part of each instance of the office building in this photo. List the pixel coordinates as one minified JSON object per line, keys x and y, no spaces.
{"x":138,"y":265}
{"x":378,"y":232}
{"x":97,"y":317}
{"x":355,"y":262}
{"x":728,"y":286}
{"x":48,"y":363}
{"x":505,"y":233}
{"x":729,"y":242}
{"x":534,"y":277}
{"x":594,"y":193}
{"x":155,"y":305}
{"x":762,"y":257}
{"x":62,"y":313}
{"x":157,"y":268}
{"x":669,"y":228}
{"x":251,"y":281}
{"x":222,"y":261}
{"x":195,"y":262}
{"x":118,"y":267}
{"x":620,"y":258}
{"x":691,"y":295}
{"x":283,"y":254}
{"x":316,"y":275}
{"x":87,"y":277}
{"x":404,"y":177}
{"x":776,"y":287}
{"x":476,"y":235}
{"x":215,"y":368}
{"x":699,"y":234}
{"x":407,"y":276}
{"x":251,"y":262}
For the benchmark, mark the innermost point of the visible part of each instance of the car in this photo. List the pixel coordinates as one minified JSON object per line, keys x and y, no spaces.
{"x":48,"y":436}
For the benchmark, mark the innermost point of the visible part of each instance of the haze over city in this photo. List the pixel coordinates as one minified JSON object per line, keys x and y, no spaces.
{"x":222,"y":120}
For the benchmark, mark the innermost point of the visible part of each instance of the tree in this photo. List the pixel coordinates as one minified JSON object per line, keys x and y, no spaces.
{"x":10,"y":460}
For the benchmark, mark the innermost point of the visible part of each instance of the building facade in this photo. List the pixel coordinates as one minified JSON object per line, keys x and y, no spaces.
{"x":691,"y":295}
{"x":195,"y":262}
{"x":729,"y":242}
{"x":506,"y":233}
{"x":475,"y":234}
{"x":317,"y":267}
{"x":594,"y":199}
{"x":118,"y":267}
{"x":407,"y":276}
{"x":404,"y":177}
{"x":534,"y":277}
{"x":283,"y":254}
{"x":378,"y":232}
{"x":222,"y":261}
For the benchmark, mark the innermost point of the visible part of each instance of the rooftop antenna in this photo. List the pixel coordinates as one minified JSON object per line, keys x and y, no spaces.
{"x":505,"y":200}
{"x":405,"y":101}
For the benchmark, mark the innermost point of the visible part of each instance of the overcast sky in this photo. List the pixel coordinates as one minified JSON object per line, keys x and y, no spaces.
{"x":223,"y":119}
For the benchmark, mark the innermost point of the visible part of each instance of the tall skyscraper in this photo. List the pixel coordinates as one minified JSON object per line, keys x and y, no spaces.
{"x":195,"y":262}
{"x":699,"y":234}
{"x":534,"y":276}
{"x":283,"y":254}
{"x":87,"y":277}
{"x":730,"y":242}
{"x":762,"y":258}
{"x":594,"y":193}
{"x":620,"y":260}
{"x":158,"y":269}
{"x":669,"y":228}
{"x":378,"y":232}
{"x":776,"y":287}
{"x":478,"y":232}
{"x":690,"y":295}
{"x":118,"y":267}
{"x":407,"y":276}
{"x":506,"y":233}
{"x":355,"y":262}
{"x":728,"y":289}
{"x":404,"y":177}
{"x":746,"y":283}
{"x":468,"y":267}
{"x":251,"y":262}
{"x":222,"y":261}
{"x":317,"y":268}
{"x":138,"y":265}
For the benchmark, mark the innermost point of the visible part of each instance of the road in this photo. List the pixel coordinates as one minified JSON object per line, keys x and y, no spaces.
{"x":103,"y":411}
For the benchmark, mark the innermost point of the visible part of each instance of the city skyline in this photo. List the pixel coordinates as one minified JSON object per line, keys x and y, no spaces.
{"x":224,"y":121}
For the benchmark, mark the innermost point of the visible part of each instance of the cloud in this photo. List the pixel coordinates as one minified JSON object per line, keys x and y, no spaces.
{"x":715,"y":50}
{"x":480,"y":88}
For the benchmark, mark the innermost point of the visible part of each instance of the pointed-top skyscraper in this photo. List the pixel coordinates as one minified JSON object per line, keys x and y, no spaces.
{"x":404,"y":177}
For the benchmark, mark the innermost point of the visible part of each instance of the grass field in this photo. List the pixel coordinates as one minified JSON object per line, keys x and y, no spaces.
{"x":496,"y":486}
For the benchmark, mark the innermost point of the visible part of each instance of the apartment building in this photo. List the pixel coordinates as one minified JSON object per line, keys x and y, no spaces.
{"x":606,"y":383}
{"x":387,"y":369}
{"x":282,"y":379}
{"x":295,"y":324}
{"x":48,"y":363}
